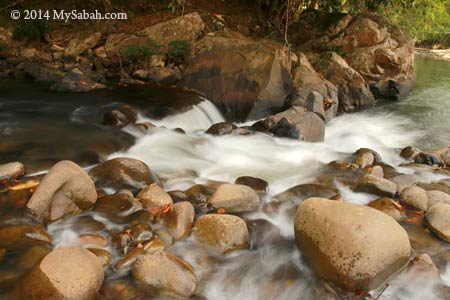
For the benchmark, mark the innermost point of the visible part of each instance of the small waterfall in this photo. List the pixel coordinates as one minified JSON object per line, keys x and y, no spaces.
{"x":199,"y":117}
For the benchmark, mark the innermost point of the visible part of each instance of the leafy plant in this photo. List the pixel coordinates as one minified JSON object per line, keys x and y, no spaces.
{"x":179,"y":49}
{"x":30,"y":30}
{"x":141,"y":52}
{"x":175,"y":5}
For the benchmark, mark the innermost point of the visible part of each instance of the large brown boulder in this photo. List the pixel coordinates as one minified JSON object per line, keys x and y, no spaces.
{"x":188,"y":28}
{"x":244,"y":78}
{"x":180,"y":219}
{"x":313,"y":91}
{"x":353,"y":90}
{"x":162,"y":273}
{"x":379,"y":51}
{"x":65,"y":189}
{"x":355,"y":247}
{"x":70,"y":273}
{"x":123,"y":172}
{"x":235,"y":198}
{"x":223,"y":233}
{"x":295,"y":123}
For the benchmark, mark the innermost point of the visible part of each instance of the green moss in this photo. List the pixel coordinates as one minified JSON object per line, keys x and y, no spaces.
{"x":141,"y":52}
{"x":179,"y":50}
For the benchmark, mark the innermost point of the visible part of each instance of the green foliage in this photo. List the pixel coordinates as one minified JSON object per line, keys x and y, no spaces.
{"x":175,"y":5}
{"x":424,"y":20}
{"x":30,"y":30}
{"x":179,"y":49}
{"x":142,"y":52}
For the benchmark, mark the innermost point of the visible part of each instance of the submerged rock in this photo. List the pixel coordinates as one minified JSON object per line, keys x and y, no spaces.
{"x":221,"y":128}
{"x":21,"y":237}
{"x":66,"y":189}
{"x":162,"y":273}
{"x":376,"y":185}
{"x":65,"y":274}
{"x":387,"y":206}
{"x":223,"y":233}
{"x":356,"y":247}
{"x":121,"y":116}
{"x":122,"y":173}
{"x":235,"y":198}
{"x":257,"y":184}
{"x":76,"y":81}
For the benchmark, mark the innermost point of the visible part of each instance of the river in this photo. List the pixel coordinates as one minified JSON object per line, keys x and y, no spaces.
{"x":38,"y":128}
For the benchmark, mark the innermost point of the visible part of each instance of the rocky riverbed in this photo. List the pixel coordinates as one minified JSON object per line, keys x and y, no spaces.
{"x":256,"y":189}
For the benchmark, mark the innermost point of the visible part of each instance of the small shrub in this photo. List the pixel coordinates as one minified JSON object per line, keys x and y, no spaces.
{"x":179,"y":50}
{"x":142,"y":52}
{"x":338,"y":49}
{"x":175,"y":5}
{"x":30,"y":30}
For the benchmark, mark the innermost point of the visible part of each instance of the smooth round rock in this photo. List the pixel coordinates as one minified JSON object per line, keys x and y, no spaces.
{"x":235,"y":198}
{"x":162,"y":273}
{"x":416,"y":197}
{"x":11,"y":170}
{"x":154,"y":197}
{"x":435,"y":196}
{"x":223,"y":233}
{"x":122,"y":173}
{"x":66,"y":189}
{"x":356,"y":247}
{"x":377,"y":186}
{"x":438,"y":220}
{"x":69,"y":273}
{"x":180,"y":219}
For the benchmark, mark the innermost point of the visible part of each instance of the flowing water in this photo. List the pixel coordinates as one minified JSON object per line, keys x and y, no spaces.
{"x":56,"y":124}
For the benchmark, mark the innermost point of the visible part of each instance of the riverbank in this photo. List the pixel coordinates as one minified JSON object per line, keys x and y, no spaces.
{"x":435,"y":54}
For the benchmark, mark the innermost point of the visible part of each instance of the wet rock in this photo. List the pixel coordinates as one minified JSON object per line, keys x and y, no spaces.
{"x":353,"y":90}
{"x":409,"y":152}
{"x":11,"y":171}
{"x":223,"y":233}
{"x":376,"y":171}
{"x":116,"y":207}
{"x":129,"y":259}
{"x":428,"y":159}
{"x":262,"y":231}
{"x":221,"y":128}
{"x":65,"y":190}
{"x":164,"y":235}
{"x":141,"y":233}
{"x":235,"y":198}
{"x":92,"y":240}
{"x":58,"y":278}
{"x":435,"y":186}
{"x":180,"y":219}
{"x":162,"y":273}
{"x":76,"y":81}
{"x":388,"y":170}
{"x":154,"y":245}
{"x":122,"y":173}
{"x":404,"y":181}
{"x":376,"y":185}
{"x":387,"y":206}
{"x":438,"y":220}
{"x":87,"y":224}
{"x":297,"y":123}
{"x":304,"y":191}
{"x":77,"y":47}
{"x":313,"y":91}
{"x":415,"y":197}
{"x":103,"y":256}
{"x":198,"y":194}
{"x":154,"y":198}
{"x":361,"y":259}
{"x":257,"y":184}
{"x":435,"y":196}
{"x":121,"y":116}
{"x":17,"y":237}
{"x":244,"y":78}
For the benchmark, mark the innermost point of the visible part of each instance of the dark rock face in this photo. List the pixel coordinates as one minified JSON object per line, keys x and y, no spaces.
{"x":122,"y":172}
{"x":221,"y":128}
{"x":76,"y":81}
{"x":244,"y":78}
{"x":121,"y":116}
